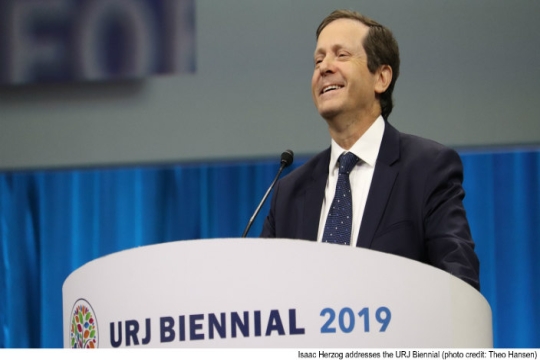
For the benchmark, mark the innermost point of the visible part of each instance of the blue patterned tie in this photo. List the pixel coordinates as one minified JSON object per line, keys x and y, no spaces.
{"x":338,"y":225}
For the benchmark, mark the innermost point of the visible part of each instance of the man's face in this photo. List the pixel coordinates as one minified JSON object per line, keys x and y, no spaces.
{"x":342,"y":83}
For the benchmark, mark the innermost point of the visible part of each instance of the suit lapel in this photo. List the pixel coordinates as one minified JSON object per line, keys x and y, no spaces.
{"x":313,"y":198}
{"x":386,"y":171}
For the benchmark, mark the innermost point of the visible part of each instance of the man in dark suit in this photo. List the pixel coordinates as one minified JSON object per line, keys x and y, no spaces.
{"x":374,"y":187}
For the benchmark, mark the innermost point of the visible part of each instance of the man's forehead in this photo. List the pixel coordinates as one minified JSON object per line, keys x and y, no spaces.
{"x":341,"y":33}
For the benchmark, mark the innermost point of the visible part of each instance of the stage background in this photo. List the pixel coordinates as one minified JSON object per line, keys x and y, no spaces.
{"x":470,"y":75}
{"x":90,"y":168}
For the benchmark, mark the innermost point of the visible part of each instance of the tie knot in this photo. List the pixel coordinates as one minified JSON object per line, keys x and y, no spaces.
{"x":347,"y":162}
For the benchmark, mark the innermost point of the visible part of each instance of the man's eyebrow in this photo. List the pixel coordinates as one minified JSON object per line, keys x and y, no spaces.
{"x":334,"y":47}
{"x":318,"y":51}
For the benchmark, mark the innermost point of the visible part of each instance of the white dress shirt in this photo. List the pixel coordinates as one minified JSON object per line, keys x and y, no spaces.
{"x":366,"y":149}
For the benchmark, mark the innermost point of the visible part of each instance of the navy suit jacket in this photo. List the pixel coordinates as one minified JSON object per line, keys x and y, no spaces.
{"x":414,"y":206}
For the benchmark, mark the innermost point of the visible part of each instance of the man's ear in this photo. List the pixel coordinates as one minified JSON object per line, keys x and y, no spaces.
{"x":384,"y":78}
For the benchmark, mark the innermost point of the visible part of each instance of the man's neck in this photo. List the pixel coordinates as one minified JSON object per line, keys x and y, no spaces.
{"x":346,"y":131}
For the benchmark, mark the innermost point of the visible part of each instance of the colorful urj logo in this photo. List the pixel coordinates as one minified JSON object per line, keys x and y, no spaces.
{"x":83,"y":329}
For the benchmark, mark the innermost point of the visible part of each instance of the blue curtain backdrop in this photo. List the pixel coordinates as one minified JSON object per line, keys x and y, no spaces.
{"x":54,"y":221}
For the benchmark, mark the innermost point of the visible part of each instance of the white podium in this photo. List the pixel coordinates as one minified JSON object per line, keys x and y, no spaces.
{"x":253,"y":293}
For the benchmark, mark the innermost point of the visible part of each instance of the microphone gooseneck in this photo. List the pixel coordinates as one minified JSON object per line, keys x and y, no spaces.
{"x":287,"y":158}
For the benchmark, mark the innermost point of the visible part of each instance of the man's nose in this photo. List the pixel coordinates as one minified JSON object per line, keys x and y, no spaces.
{"x":326,"y":66}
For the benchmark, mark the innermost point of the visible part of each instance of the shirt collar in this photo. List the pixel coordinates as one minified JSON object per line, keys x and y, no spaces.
{"x":366,"y":148}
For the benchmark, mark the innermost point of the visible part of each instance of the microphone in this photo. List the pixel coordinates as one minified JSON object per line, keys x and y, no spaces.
{"x":287,"y":158}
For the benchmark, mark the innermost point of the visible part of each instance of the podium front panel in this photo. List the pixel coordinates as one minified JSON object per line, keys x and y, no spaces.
{"x":269,"y":293}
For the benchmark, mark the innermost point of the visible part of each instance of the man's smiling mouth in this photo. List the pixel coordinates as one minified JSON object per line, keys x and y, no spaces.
{"x":330,"y":88}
